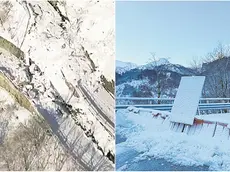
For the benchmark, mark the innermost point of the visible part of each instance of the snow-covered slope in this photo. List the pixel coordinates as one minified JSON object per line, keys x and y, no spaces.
{"x":25,"y":145}
{"x":122,"y":67}
{"x":164,"y":64}
{"x":146,"y":77}
{"x":152,"y":65}
{"x":66,"y":50}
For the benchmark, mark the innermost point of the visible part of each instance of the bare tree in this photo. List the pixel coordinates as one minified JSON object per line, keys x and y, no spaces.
{"x":219,"y":52}
{"x":196,"y":64}
{"x":19,"y":152}
{"x":160,"y":81}
{"x":6,"y":7}
{"x":7,"y":157}
{"x":3,"y":128}
{"x":43,"y":161}
{"x":60,"y":159}
{"x":217,"y":81}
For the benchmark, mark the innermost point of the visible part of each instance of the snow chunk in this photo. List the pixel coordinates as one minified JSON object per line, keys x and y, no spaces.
{"x":136,"y":110}
{"x":130,"y":108}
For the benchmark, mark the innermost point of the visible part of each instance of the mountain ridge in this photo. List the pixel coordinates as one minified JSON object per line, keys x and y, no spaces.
{"x":142,"y":81}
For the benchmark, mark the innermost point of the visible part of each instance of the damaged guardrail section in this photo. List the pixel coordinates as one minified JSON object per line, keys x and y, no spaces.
{"x":8,"y":46}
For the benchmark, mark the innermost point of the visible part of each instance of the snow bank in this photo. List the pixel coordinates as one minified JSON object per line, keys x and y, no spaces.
{"x":224,"y":118}
{"x":150,"y":137}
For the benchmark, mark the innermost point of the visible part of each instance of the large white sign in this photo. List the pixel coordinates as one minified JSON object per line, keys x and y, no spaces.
{"x":187,"y":99}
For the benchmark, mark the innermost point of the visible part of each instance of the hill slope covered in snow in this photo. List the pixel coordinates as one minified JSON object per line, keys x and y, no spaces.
{"x":141,"y":81}
{"x":57,"y":54}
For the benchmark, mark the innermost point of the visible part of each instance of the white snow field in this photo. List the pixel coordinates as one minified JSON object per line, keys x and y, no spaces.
{"x":151,"y":137}
{"x":67,"y":46}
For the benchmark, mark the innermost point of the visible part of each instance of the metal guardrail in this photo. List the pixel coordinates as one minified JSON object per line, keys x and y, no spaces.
{"x":142,"y":98}
{"x":170,"y":99}
{"x":168,"y":106}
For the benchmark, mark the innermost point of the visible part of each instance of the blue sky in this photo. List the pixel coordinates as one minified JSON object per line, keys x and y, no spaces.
{"x":177,"y":30}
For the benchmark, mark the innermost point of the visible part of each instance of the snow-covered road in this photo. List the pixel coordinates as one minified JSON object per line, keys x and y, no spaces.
{"x":126,"y":161}
{"x":152,"y":140}
{"x":99,"y":110}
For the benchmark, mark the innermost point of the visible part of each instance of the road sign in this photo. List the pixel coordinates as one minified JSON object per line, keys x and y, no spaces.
{"x":187,"y":99}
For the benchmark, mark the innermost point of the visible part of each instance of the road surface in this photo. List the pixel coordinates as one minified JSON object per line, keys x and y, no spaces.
{"x":126,"y":162}
{"x":100,"y":112}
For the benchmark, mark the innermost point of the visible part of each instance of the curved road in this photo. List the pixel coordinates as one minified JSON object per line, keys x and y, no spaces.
{"x":89,"y":97}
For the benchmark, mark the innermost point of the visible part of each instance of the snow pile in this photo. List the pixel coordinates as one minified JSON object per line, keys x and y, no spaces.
{"x":150,"y":137}
{"x":224,"y":118}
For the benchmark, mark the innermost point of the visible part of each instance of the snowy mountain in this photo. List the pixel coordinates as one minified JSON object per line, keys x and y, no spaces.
{"x":122,"y":67}
{"x":152,"y":65}
{"x":142,"y":80}
{"x":164,"y":64}
{"x":58,"y":57}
